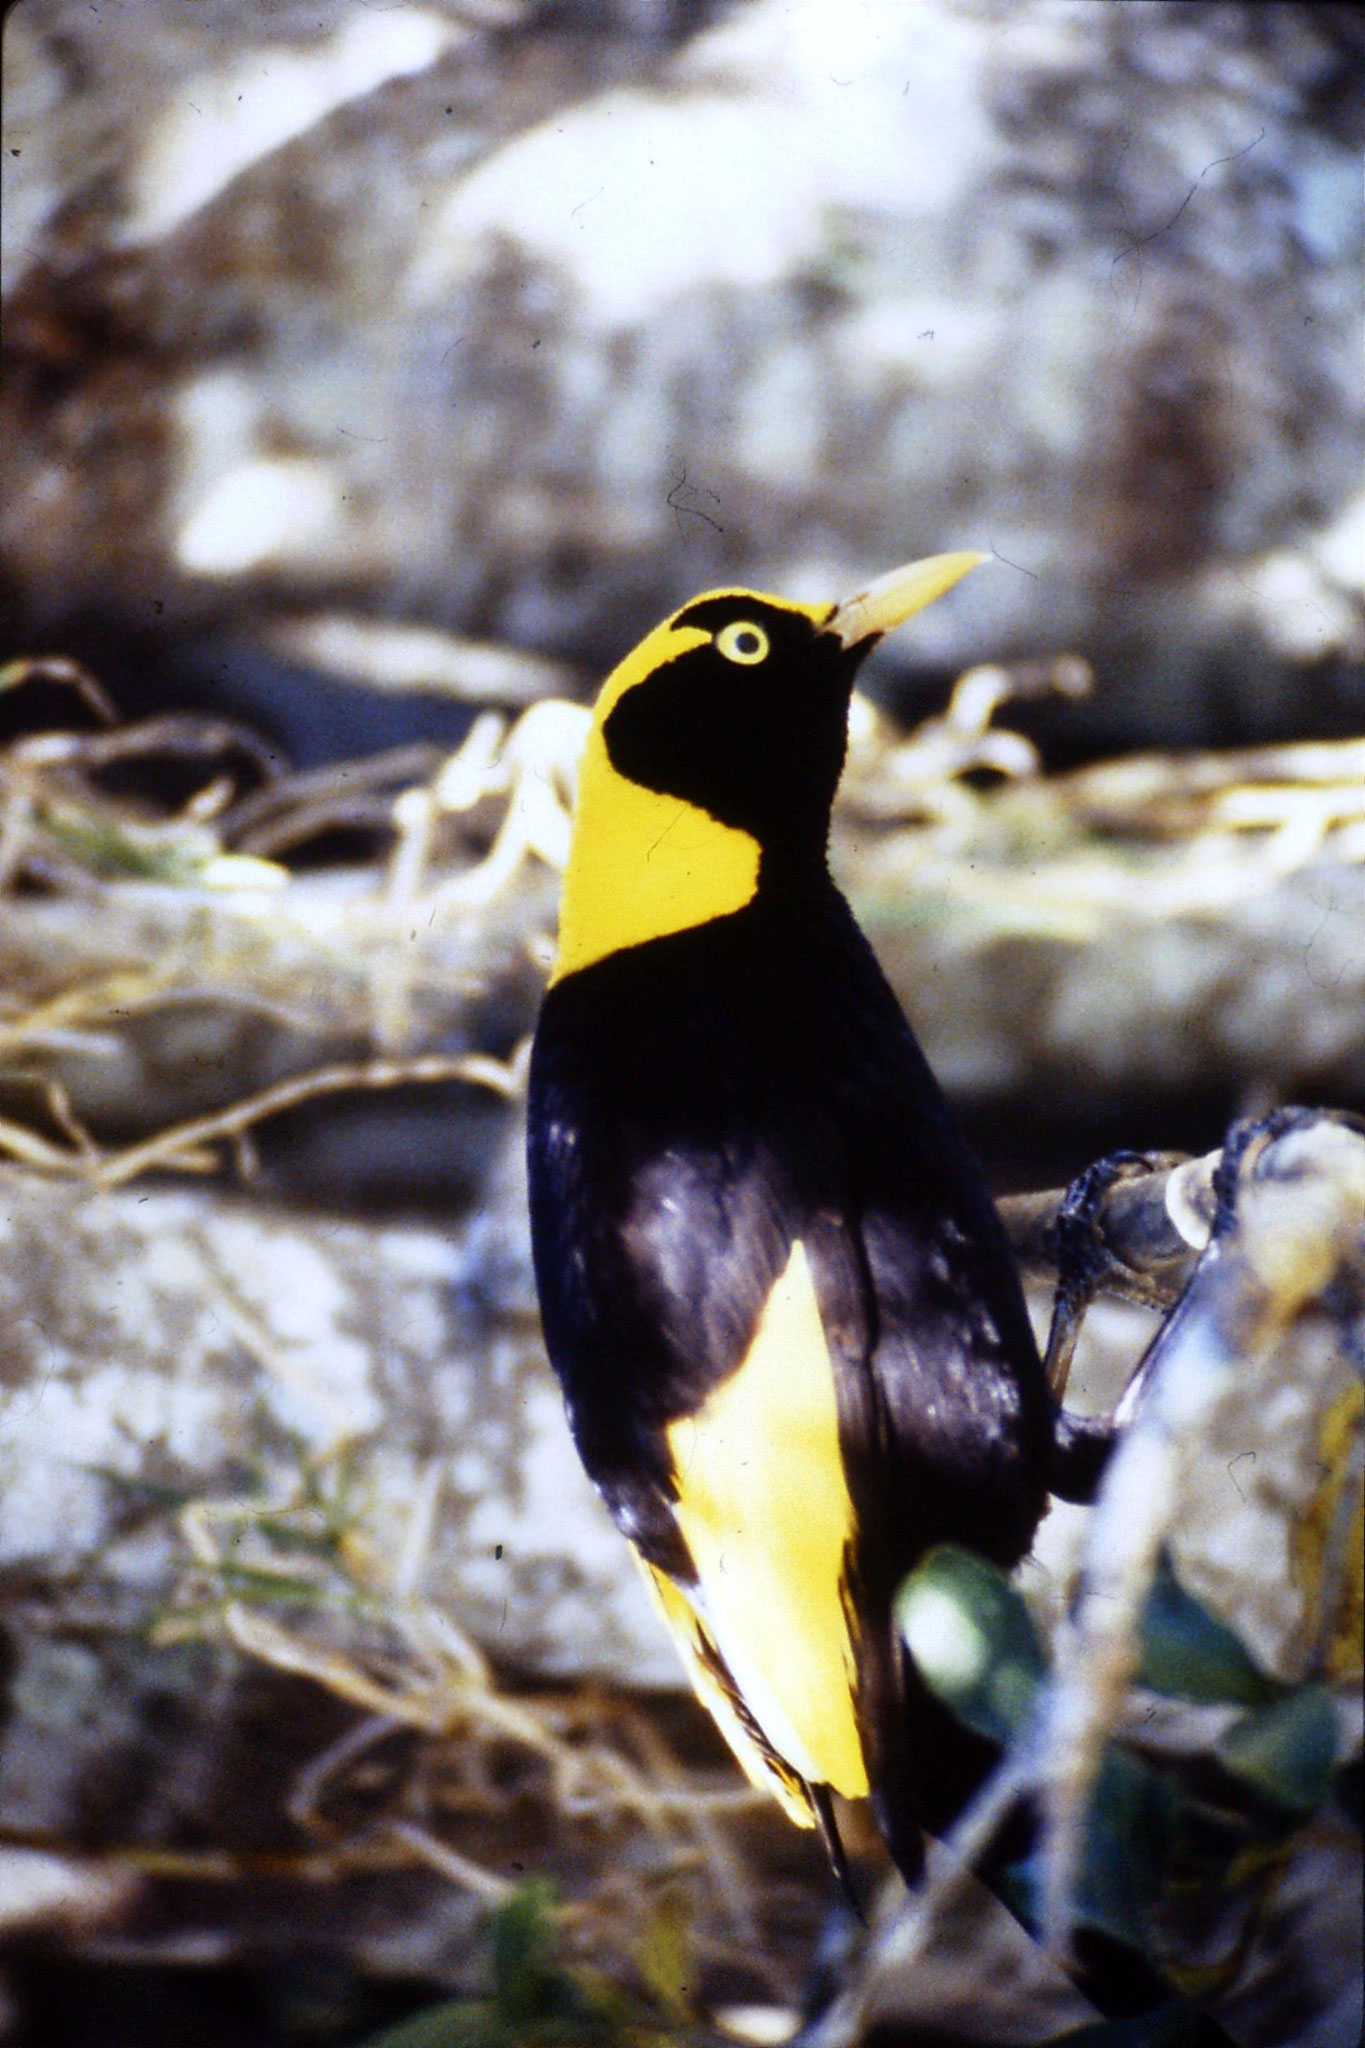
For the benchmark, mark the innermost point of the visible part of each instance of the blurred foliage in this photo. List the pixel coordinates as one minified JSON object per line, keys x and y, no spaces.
{"x":1172,"y":1835}
{"x":1172,"y":2026}
{"x":1188,"y":1654}
{"x":540,"y":2000}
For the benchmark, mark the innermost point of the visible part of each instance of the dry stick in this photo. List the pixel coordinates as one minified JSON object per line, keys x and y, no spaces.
{"x":1150,"y":1229}
{"x":130,"y":992}
{"x":311,"y":788}
{"x":460,"y":1870}
{"x":172,"y":732}
{"x":60,"y":668}
{"x":23,"y":1144}
{"x":504,"y":1077}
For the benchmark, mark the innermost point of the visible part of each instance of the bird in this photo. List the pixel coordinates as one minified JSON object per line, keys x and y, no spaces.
{"x":773,"y":1286}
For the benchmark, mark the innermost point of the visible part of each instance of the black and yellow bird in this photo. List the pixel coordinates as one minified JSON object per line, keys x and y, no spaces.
{"x":777,"y":1295}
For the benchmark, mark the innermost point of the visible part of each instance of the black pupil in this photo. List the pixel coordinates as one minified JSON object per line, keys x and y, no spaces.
{"x":746,"y":643}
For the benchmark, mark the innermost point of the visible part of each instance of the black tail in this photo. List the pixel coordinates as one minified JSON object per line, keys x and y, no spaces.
{"x":822,"y":1806}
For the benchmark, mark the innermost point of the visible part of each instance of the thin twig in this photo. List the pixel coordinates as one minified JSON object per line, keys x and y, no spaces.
{"x":504,"y":1077}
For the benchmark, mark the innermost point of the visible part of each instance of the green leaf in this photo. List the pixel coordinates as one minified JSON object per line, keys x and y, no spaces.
{"x":972,"y":1639}
{"x":1286,"y":1753}
{"x":1170,"y":2026}
{"x":522,"y":1935}
{"x":454,"y":2023}
{"x":1128,"y":1837}
{"x":1189,"y":1655}
{"x":665,"y":1954}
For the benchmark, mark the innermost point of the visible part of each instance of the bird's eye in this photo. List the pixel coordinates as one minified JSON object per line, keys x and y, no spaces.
{"x":743,"y":641}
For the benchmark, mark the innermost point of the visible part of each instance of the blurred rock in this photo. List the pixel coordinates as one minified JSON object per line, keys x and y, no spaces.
{"x":529,"y":321}
{"x":168,"y":1347}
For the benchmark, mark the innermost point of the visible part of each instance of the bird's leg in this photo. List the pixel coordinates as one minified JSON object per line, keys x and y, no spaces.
{"x":1086,"y":1265}
{"x":1131,"y":1225}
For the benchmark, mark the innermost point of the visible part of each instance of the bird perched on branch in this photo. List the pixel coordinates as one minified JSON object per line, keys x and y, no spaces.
{"x":777,"y":1296}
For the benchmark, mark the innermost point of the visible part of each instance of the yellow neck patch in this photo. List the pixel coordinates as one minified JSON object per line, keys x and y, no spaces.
{"x":642,"y":865}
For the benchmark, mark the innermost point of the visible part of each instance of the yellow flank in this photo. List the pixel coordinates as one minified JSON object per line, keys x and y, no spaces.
{"x":687,"y":1631}
{"x":641,"y":864}
{"x":763,"y":1505}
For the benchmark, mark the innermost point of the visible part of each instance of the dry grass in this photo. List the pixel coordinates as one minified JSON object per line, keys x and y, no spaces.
{"x":614,"y":1798}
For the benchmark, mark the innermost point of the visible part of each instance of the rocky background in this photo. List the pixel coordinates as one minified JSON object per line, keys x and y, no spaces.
{"x":373,"y":375}
{"x":527,"y":321}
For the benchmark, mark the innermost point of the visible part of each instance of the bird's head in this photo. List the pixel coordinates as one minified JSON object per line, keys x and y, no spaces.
{"x":714,"y":752}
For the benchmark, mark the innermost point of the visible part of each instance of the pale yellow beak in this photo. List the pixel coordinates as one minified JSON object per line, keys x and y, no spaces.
{"x":892,"y":599}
